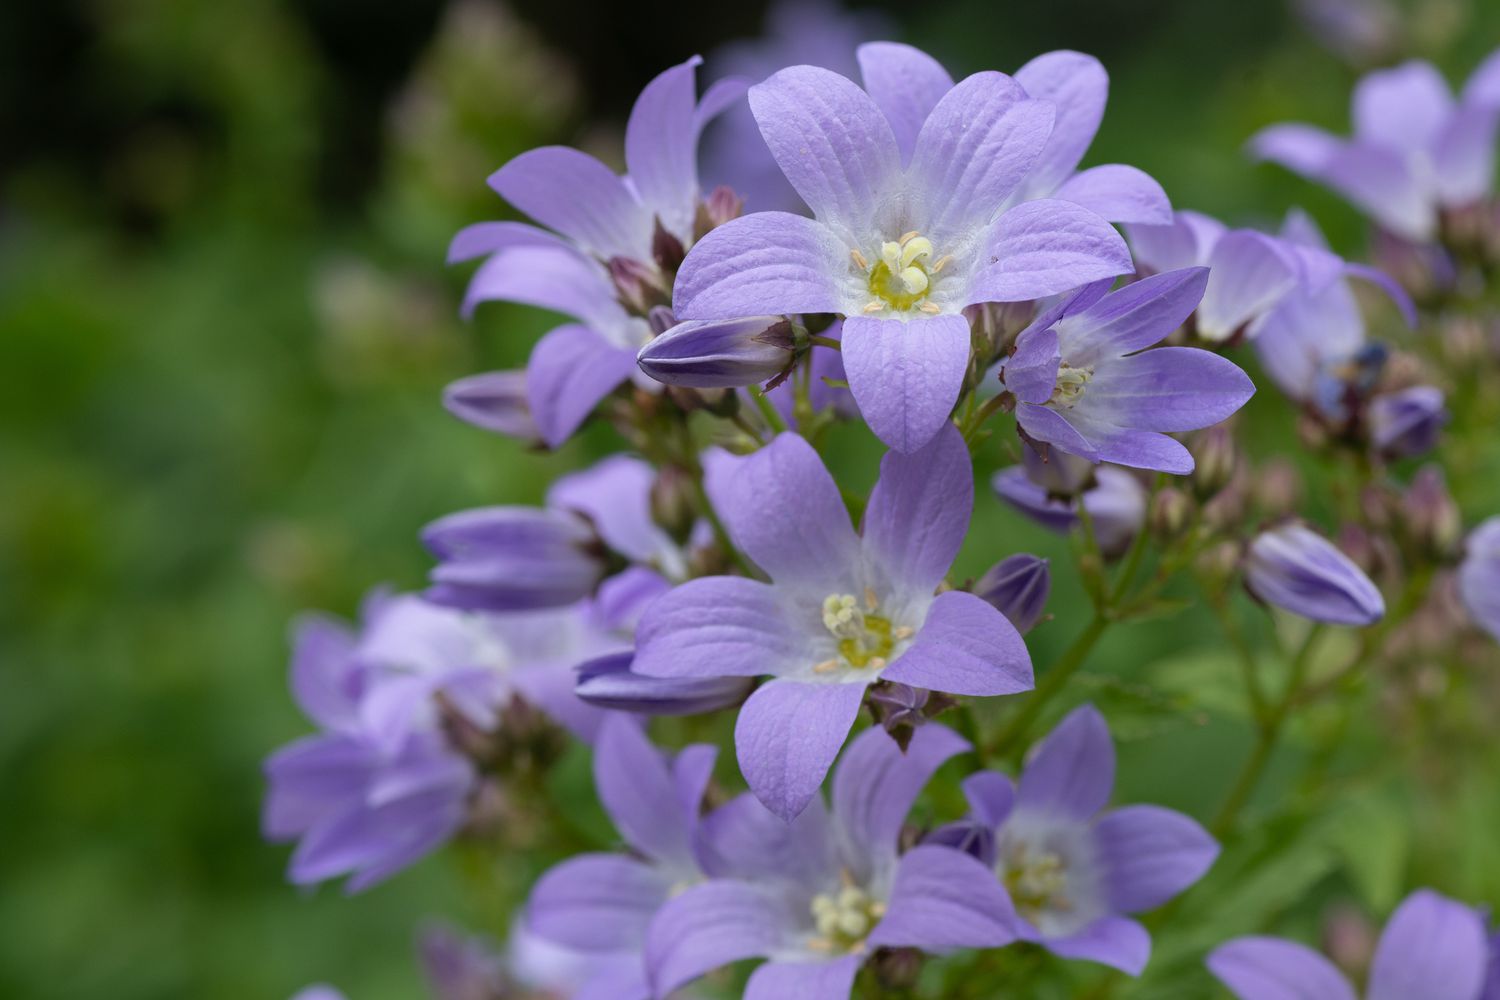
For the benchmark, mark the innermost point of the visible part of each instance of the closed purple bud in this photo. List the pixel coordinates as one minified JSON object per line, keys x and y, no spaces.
{"x":494,"y":401}
{"x":1017,"y":587}
{"x":511,"y":558}
{"x":1479,"y":576}
{"x":1407,"y":423}
{"x":719,"y":354}
{"x":1298,"y":570}
{"x":607,"y":682}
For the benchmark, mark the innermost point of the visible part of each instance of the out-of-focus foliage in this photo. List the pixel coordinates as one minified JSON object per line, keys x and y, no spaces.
{"x":224,"y":325}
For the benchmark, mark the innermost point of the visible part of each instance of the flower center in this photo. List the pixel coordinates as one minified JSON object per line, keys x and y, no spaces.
{"x":1070,"y":383}
{"x":1037,"y":880}
{"x":865,"y":639}
{"x":844,"y":919}
{"x":901,"y":276}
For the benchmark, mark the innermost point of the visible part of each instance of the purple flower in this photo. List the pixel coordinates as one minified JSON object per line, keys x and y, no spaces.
{"x":1479,"y":576}
{"x":908,"y":228}
{"x":719,"y":354}
{"x":817,"y":896}
{"x":843,"y":610}
{"x":1072,"y":872}
{"x":505,"y":558}
{"x":1017,"y":587}
{"x":611,"y":238}
{"x":1116,"y":504}
{"x":1408,"y":423}
{"x":1415,"y":150}
{"x":494,"y":401}
{"x":602,"y":904}
{"x":320,"y":991}
{"x":1085,"y":384}
{"x":457,"y":967}
{"x":1433,"y":948}
{"x":1300,"y":571}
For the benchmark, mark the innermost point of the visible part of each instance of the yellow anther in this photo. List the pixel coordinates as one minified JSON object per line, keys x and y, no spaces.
{"x":930,"y":308}
{"x":904,"y":632}
{"x":907,"y":237}
{"x":826,"y":667}
{"x":940,"y":263}
{"x":875,"y":307}
{"x":859,"y":260}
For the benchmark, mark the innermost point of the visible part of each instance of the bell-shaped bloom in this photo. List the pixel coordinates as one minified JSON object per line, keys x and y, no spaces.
{"x":842,"y":610}
{"x":1017,"y":586}
{"x":494,"y":401}
{"x":1433,"y":948}
{"x":1073,"y":870}
{"x":1407,"y":423}
{"x":608,"y":238}
{"x":1479,"y":576}
{"x":1415,"y":149}
{"x":907,"y":230}
{"x":1085,"y":384}
{"x":1298,"y":570}
{"x":720,"y":354}
{"x":508,"y":558}
{"x":1116,"y":504}
{"x":817,"y":896}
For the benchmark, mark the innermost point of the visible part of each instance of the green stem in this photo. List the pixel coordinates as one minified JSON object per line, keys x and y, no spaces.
{"x":769,"y":412}
{"x":828,"y":342}
{"x":1053,"y":681}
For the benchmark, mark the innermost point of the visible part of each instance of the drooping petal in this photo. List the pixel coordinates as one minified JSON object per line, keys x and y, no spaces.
{"x":1248,"y":273}
{"x":716,"y":626}
{"x":637,"y":789}
{"x":615,"y":495}
{"x":596,"y":902}
{"x":661,"y":146}
{"x":906,"y":83}
{"x":832,"y":142}
{"x":768,"y":261}
{"x":975,"y":148}
{"x":1433,"y":948}
{"x":1401,"y":108}
{"x":830,"y":979}
{"x":707,"y":926}
{"x":942,"y":900}
{"x":787,"y":736}
{"x":1150,"y":854}
{"x":1118,"y":942}
{"x":876,"y":784}
{"x":906,"y":376}
{"x":1078,"y":87}
{"x":1267,"y":968}
{"x":1118,"y":193}
{"x":578,"y":196}
{"x":919,"y":511}
{"x":965,"y":647}
{"x":548,"y":277}
{"x":1042,"y":423}
{"x":1044,"y":247}
{"x":1166,"y":389}
{"x":1072,"y":772}
{"x":571,"y":369}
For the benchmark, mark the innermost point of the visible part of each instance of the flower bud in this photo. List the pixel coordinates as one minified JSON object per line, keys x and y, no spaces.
{"x":608,"y":682}
{"x":1216,"y":565}
{"x":1214,"y":457}
{"x":494,"y":401}
{"x":512,"y":558}
{"x":721,"y":205}
{"x":673,"y":503}
{"x":1300,"y":571}
{"x":1407,"y":424}
{"x":666,"y":249}
{"x":1017,"y":587}
{"x":720,"y":354}
{"x":1169,"y":513}
{"x":1431,"y":515}
{"x":1277,"y":487}
{"x":1479,"y":576}
{"x":639,"y":286}
{"x":1117,"y":505}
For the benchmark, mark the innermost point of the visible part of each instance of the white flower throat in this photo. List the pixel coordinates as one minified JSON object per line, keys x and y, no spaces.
{"x":901,"y":277}
{"x":865,"y":637}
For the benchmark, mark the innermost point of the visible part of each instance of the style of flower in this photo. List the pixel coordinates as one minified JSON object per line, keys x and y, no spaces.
{"x":1071,"y":871}
{"x":608,"y":238}
{"x":601,"y":905}
{"x":1479,"y":576}
{"x":1085,"y":384}
{"x":1298,"y":570}
{"x":1433,"y":947}
{"x":842,"y":610}
{"x":817,"y":896}
{"x":907,"y":229}
{"x":1415,"y":153}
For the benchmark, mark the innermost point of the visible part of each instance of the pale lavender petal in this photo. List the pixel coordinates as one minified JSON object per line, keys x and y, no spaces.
{"x":325,"y":679}
{"x":1401,"y":108}
{"x":1267,"y":968}
{"x":608,"y":682}
{"x":1304,"y":149}
{"x":1165,"y":389}
{"x":661,"y":146}
{"x":1031,"y":372}
{"x":1484,"y":83}
{"x":638,"y":790}
{"x":1042,"y":423}
{"x":312,"y":779}
{"x":1186,"y":242}
{"x":484,"y":238}
{"x":549,"y":277}
{"x":943,"y":900}
{"x":832,"y":142}
{"x":742,"y":839}
{"x":1150,"y":854}
{"x":615,"y":495}
{"x":1464,"y":155}
{"x":1389,"y":285}
{"x":965,"y":647}
{"x":716,"y":626}
{"x":1381,"y":182}
{"x":571,"y":369}
{"x":1131,"y":318}
{"x":495,"y":401}
{"x":623,"y":598}
{"x":787,"y":736}
{"x":991,"y":797}
{"x":1118,"y":942}
{"x":596,"y":902}
{"x":906,"y":83}
{"x":1118,"y":193}
{"x":1044,"y":247}
{"x":707,"y":926}
{"x":720,"y":96}
{"x":1303,"y":333}
{"x":975,"y":148}
{"x":506,"y":558}
{"x":551,"y":687}
{"x":919,"y":511}
{"x":1433,"y":948}
{"x":1248,"y":273}
{"x":1078,"y":87}
{"x":1072,"y":772}
{"x":579,"y":197}
{"x":762,"y":262}
{"x":906,"y":376}
{"x":1014,"y":487}
{"x":1479,"y":576}
{"x":812,"y":980}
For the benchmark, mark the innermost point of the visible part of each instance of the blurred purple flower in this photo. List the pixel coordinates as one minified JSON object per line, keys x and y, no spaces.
{"x":1298,"y":570}
{"x":1408,"y":423}
{"x":320,"y":991}
{"x":494,"y":401}
{"x":1479,"y":576}
{"x":1116,"y":505}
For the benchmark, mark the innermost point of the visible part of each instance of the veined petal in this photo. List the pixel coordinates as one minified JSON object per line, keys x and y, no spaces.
{"x":919,"y":511}
{"x":906,"y":83}
{"x":707,"y":926}
{"x":1267,"y":968}
{"x":1150,"y":854}
{"x":719,"y":354}
{"x":1072,"y":772}
{"x":828,"y":979}
{"x":787,"y":736}
{"x":764,"y":261}
{"x":1044,"y":247}
{"x":1118,"y":942}
{"x":596,"y":902}
{"x":1432,"y":947}
{"x":571,"y":369}
{"x":1078,"y":87}
{"x":1130,"y":446}
{"x":717,"y":626}
{"x":638,"y":791}
{"x":906,"y":376}
{"x":1119,"y":193}
{"x":1166,"y":389}
{"x":1042,"y":423}
{"x":578,"y":196}
{"x":943,"y":900}
{"x":1131,"y":318}
{"x":549,"y":277}
{"x":744,"y":840}
{"x":661,"y":146}
{"x":964,"y":647}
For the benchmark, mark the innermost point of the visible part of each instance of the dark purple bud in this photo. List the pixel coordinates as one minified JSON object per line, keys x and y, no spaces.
{"x":1017,"y":587}
{"x":510,"y":558}
{"x":639,"y":286}
{"x":666,"y":249}
{"x":1300,"y":571}
{"x":495,"y":401}
{"x":660,"y":320}
{"x":1431,"y":515}
{"x":721,"y":205}
{"x":720,"y":354}
{"x":608,"y":683}
{"x":1479,"y":576}
{"x":1407,"y":423}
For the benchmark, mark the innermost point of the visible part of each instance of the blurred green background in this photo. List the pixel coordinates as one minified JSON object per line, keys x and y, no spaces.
{"x":224,"y":326}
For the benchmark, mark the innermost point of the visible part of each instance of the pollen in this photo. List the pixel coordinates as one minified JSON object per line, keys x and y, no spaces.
{"x":844,"y":918}
{"x":1037,"y":880}
{"x":1070,"y":386}
{"x":865,"y":637}
{"x":900,"y":278}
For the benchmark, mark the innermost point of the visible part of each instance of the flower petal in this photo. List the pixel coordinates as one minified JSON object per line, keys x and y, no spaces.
{"x":964,"y":647}
{"x":1072,"y":772}
{"x":661,"y":146}
{"x":742,"y":839}
{"x":548,"y":277}
{"x":494,"y":401}
{"x":1044,"y":247}
{"x":1166,"y":389}
{"x":1150,"y":854}
{"x":1132,"y":318}
{"x":1186,"y":242}
{"x":906,"y":376}
{"x":596,"y":902}
{"x":578,"y":196}
{"x":716,"y":626}
{"x":1078,"y":87}
{"x":638,"y":791}
{"x":1118,"y":193}
{"x":1267,"y":968}
{"x":710,"y":925}
{"x":919,"y":511}
{"x":484,"y":238}
{"x":719,"y":354}
{"x":1433,"y":948}
{"x":1401,"y":108}
{"x":991,"y":797}
{"x":1042,"y":423}
{"x":1031,"y":372}
{"x":1464,"y":155}
{"x":787,"y":736}
{"x":615,"y":495}
{"x":759,"y":262}
{"x":608,"y":682}
{"x":830,"y":979}
{"x":324,"y":675}
{"x":906,"y":83}
{"x":1118,"y":942}
{"x":1381,"y":182}
{"x":571,"y":369}
{"x":942,"y":900}
{"x":1248,"y":273}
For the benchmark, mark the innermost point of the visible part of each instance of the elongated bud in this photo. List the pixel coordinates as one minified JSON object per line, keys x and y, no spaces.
{"x":510,"y":558}
{"x":1017,"y":587}
{"x":638,"y":286}
{"x":1479,"y":576}
{"x":494,"y":401}
{"x":1215,"y":457}
{"x":1169,"y":513}
{"x":1431,"y":515}
{"x":720,"y":354}
{"x":1408,"y":423}
{"x":721,"y":205}
{"x":609,"y":683}
{"x":1300,"y":571}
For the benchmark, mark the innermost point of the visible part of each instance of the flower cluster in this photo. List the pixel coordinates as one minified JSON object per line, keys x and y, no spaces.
{"x":948,"y":278}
